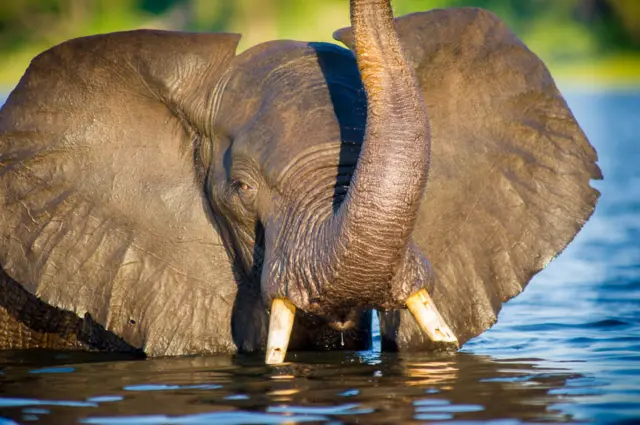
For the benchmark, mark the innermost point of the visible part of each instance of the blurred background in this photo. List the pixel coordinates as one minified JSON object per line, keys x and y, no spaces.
{"x":582,"y":41}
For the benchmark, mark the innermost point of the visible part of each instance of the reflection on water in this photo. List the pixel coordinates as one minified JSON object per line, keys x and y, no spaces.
{"x":566,"y":350}
{"x":319,"y":387}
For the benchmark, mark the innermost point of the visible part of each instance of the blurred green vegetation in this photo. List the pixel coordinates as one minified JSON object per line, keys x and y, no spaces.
{"x":581,"y":40}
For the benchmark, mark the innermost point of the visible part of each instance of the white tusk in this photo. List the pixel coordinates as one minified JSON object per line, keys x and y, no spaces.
{"x":280,"y":325}
{"x":428,"y":317}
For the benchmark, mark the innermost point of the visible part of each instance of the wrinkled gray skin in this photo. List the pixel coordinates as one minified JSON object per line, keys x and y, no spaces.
{"x":157,"y":190}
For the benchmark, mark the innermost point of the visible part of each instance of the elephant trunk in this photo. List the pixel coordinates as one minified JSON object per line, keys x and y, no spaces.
{"x":369,"y":235}
{"x":371,"y":230}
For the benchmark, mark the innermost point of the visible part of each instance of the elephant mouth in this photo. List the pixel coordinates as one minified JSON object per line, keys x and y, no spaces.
{"x":419,"y":304}
{"x":344,"y":322}
{"x":342,"y":326}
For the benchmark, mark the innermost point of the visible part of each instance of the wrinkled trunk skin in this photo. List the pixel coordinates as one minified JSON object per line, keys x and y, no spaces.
{"x":370,"y":234}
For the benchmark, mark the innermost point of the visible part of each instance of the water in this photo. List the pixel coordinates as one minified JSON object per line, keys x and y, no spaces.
{"x":567,"y":350}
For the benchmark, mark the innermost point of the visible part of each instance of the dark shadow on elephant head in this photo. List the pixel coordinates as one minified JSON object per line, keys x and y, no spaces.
{"x":349,"y":103}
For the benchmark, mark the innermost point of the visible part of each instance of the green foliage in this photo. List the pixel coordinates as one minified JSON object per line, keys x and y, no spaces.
{"x":560,"y":31}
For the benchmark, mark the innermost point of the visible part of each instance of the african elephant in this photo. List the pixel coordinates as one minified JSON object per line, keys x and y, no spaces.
{"x":160,"y":192}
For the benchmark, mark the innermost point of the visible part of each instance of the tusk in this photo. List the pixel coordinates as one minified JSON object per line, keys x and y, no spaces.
{"x":280,"y":325}
{"x":428,"y":317}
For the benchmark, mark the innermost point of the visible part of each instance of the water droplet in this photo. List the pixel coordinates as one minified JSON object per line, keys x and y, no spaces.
{"x":342,"y":339}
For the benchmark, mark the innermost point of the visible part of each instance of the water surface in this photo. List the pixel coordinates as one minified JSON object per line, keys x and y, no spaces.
{"x":566,"y":350}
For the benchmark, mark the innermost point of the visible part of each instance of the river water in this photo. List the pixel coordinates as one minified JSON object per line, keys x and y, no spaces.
{"x":566,"y":350}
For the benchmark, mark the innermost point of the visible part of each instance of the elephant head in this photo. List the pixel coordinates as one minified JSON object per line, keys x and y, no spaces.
{"x":167,"y":190}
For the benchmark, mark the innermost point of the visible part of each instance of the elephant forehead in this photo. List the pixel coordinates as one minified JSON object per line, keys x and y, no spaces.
{"x":288,"y":98}
{"x":284,"y":132}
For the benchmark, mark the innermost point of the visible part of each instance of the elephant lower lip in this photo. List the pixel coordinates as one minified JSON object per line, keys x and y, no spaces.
{"x":342,"y":326}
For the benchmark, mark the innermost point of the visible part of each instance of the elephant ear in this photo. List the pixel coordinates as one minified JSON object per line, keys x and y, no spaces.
{"x":103,"y":211}
{"x":510,"y":167}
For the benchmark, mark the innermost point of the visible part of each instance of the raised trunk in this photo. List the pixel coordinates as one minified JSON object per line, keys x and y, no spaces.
{"x":373,"y":226}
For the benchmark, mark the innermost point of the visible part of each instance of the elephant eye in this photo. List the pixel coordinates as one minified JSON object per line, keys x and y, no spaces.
{"x":241,"y":186}
{"x":245,"y":192}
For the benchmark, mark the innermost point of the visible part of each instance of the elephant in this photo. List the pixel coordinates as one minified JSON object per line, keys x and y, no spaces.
{"x":163,"y":194}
